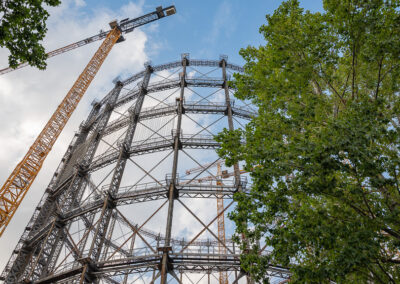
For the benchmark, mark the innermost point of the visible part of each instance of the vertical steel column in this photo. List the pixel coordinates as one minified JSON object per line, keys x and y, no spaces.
{"x":172,"y":194}
{"x":109,"y":205}
{"x":109,"y":234}
{"x":234,"y":252}
{"x":229,"y":114}
{"x":131,"y":247}
{"x":88,"y":221}
{"x":209,"y":271}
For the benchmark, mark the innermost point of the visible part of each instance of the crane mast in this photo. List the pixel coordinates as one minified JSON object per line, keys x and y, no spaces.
{"x":18,"y":183}
{"x":223,"y":275}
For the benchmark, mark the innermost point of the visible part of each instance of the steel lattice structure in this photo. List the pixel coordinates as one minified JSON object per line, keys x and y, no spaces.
{"x":107,"y":215}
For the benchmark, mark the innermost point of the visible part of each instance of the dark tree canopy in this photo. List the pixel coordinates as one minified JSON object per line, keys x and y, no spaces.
{"x":324,"y":151}
{"x":22,"y":27}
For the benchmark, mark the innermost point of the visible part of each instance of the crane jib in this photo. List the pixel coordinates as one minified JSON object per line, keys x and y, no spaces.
{"x":125,"y":26}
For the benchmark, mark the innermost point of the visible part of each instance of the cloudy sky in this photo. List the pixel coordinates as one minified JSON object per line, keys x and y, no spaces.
{"x":28,"y":96}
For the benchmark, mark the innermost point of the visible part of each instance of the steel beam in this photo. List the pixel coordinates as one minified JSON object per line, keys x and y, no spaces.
{"x":172,"y":191}
{"x":229,"y":114}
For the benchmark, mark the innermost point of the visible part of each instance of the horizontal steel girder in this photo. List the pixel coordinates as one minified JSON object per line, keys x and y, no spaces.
{"x":147,"y":146}
{"x":170,"y":84}
{"x":191,"y":263}
{"x":154,"y":145}
{"x":203,"y":108}
{"x":170,"y":109}
{"x":176,"y":64}
{"x":136,"y":194}
{"x":152,"y":193}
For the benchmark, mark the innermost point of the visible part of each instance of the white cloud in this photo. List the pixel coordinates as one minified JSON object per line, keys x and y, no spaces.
{"x":223,"y":23}
{"x":29,"y":96}
{"x":80,"y":3}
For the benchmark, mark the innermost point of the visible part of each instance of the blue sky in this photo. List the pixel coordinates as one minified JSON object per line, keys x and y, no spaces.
{"x":207,"y":28}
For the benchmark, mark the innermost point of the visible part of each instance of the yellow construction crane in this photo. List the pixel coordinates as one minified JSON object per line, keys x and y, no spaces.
{"x":16,"y":186}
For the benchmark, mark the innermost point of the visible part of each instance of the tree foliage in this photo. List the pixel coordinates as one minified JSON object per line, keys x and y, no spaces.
{"x":324,"y":149}
{"x":22,"y":27}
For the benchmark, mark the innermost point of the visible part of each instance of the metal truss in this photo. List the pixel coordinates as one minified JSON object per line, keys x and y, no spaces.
{"x":107,"y":215}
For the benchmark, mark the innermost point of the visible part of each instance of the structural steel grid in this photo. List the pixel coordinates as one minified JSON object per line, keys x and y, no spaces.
{"x":121,"y":208}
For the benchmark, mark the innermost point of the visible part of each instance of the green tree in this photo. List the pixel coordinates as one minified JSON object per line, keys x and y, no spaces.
{"x":324,"y":149}
{"x":22,"y":27}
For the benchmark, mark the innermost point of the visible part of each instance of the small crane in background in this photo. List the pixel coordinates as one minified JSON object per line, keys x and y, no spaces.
{"x":18,"y":183}
{"x":223,"y":275}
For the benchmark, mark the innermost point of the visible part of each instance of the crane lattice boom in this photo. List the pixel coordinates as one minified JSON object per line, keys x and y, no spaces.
{"x":22,"y":177}
{"x":204,"y":167}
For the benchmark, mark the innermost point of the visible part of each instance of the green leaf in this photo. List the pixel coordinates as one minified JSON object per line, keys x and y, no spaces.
{"x":324,"y":149}
{"x":22,"y":28}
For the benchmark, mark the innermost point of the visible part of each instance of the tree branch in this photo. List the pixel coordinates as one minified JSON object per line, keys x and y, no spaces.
{"x":396,"y":180}
{"x":385,"y":272}
{"x":345,"y":85}
{"x":391,"y":232}
{"x":330,"y":86}
{"x":388,"y":71}
{"x":379,"y":78}
{"x":390,"y":260}
{"x":353,"y":68}
{"x":376,"y":275}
